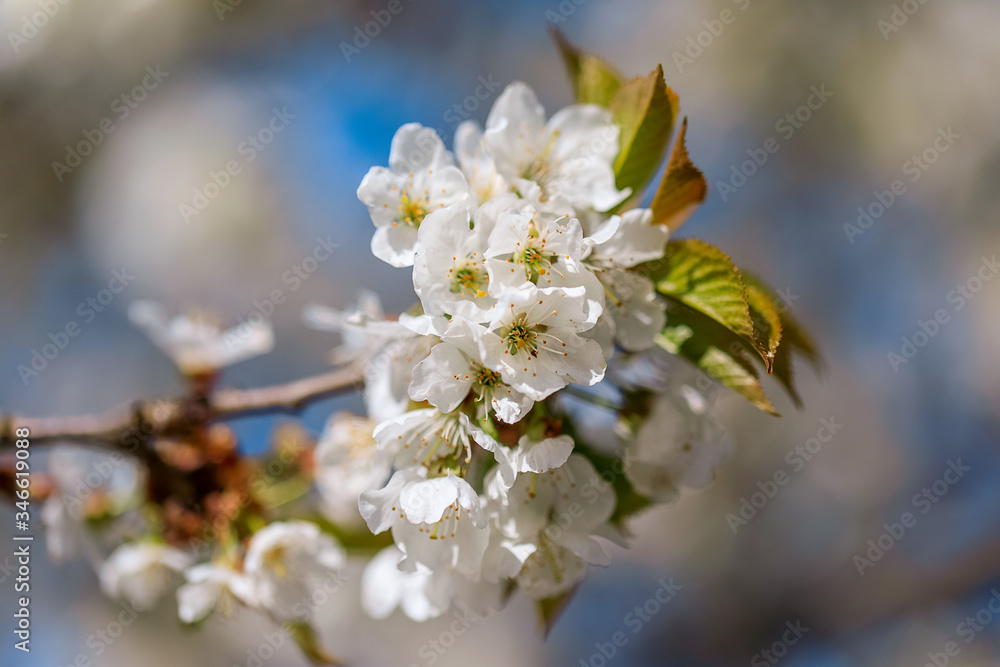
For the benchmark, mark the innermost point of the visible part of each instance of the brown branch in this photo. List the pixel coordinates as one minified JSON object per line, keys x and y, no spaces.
{"x":291,"y":397}
{"x":126,"y":426}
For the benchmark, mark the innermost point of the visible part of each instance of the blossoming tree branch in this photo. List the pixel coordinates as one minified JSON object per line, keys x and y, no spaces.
{"x":549,"y":301}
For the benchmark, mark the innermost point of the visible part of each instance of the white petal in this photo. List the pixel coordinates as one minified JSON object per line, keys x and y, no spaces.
{"x":379,"y":191}
{"x":584,"y":546}
{"x":543,"y":455}
{"x":380,"y":508}
{"x":425,"y":501}
{"x":511,"y":405}
{"x":515,"y":129}
{"x":443,"y":378}
{"x":637,"y":240}
{"x":381,"y":584}
{"x":395,"y":245}
{"x":196,"y":601}
{"x":537,"y":578}
{"x":415,"y":147}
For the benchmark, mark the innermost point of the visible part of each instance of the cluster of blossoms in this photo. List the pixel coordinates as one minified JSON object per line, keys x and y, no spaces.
{"x":527,"y":287}
{"x":537,"y":320}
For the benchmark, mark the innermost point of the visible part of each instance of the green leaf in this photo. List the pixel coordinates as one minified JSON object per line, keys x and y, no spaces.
{"x":766,"y":324}
{"x":682,"y":189}
{"x":305,"y":636}
{"x":594,"y":80}
{"x":645,"y":110}
{"x":702,"y":277}
{"x":715,"y":350}
{"x":794,"y":337}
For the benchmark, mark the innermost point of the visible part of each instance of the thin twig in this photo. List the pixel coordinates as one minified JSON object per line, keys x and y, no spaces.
{"x":150,"y":419}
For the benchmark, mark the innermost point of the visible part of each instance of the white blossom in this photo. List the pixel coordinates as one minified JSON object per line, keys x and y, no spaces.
{"x":196,"y":344}
{"x":570,"y":157}
{"x":680,"y":444}
{"x":533,"y":341}
{"x":455,"y":368}
{"x":141,"y":572}
{"x":347,"y":463}
{"x":547,"y":522}
{"x":449,"y":272}
{"x":421,"y":178}
{"x":628,"y":240}
{"x":283,"y":561}
{"x":210,"y":586}
{"x":524,"y":248}
{"x":387,"y":350}
{"x":436,"y":522}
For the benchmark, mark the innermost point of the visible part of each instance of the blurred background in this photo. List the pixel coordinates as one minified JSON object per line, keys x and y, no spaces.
{"x":116,"y":114}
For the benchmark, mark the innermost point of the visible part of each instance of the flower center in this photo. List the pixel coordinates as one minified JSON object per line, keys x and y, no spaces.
{"x":521,"y":335}
{"x":534,"y":259}
{"x":439,"y":444}
{"x":411,"y":211}
{"x":275,"y":561}
{"x":469,"y":278}
{"x":487,"y":378}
